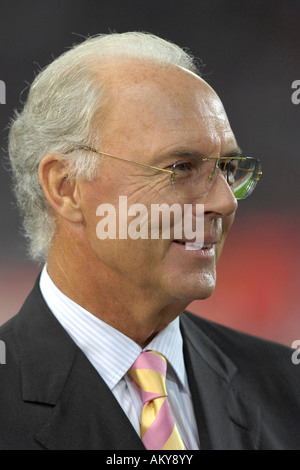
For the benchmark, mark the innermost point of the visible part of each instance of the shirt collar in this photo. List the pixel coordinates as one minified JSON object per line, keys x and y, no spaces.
{"x":110,"y":352}
{"x":169,"y":343}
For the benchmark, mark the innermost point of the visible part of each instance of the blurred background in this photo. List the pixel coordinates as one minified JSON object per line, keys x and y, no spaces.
{"x":251,"y":52}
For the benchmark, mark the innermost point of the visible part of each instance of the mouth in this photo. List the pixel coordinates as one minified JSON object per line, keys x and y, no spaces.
{"x":194,"y":245}
{"x":207,"y":248}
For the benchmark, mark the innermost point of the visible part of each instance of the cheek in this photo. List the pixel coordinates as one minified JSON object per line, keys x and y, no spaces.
{"x":150,"y":190}
{"x":104,"y":227}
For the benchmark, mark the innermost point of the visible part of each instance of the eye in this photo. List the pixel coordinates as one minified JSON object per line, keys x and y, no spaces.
{"x":184,"y":168}
{"x":230,"y":166}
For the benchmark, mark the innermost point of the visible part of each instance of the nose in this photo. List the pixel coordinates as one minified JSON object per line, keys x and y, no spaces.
{"x":220,"y":200}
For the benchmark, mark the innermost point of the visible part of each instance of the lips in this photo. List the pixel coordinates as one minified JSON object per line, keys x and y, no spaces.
{"x":207,"y":244}
{"x":207,"y":248}
{"x":193,"y":244}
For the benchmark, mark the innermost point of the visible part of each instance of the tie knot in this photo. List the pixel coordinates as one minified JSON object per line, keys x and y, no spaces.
{"x":149,"y":374}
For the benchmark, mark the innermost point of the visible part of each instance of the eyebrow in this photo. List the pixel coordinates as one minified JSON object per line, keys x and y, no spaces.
{"x":236,"y":152}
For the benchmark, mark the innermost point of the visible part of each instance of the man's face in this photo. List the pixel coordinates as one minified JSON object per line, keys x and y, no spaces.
{"x":156,"y":116}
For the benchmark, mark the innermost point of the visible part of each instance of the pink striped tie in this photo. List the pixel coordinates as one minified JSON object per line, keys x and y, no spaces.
{"x":158,"y":429}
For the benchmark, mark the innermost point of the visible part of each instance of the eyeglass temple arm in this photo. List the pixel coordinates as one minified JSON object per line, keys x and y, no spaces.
{"x":119,"y":158}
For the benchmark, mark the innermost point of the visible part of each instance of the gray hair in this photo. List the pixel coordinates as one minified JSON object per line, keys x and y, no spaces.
{"x":59,"y":113}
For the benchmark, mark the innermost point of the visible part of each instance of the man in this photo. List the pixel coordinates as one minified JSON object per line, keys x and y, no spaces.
{"x":129,"y":116}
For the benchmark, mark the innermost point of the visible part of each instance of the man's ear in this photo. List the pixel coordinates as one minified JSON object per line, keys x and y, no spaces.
{"x":61,"y":192}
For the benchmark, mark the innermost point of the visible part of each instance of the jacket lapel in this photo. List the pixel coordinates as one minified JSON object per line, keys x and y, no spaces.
{"x":87,"y":416}
{"x":83,"y":413}
{"x":226,"y":417}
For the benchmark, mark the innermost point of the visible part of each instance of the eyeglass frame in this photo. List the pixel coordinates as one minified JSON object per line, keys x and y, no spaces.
{"x":171,"y":172}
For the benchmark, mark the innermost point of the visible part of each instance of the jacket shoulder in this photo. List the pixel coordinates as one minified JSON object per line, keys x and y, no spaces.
{"x":245,"y":349}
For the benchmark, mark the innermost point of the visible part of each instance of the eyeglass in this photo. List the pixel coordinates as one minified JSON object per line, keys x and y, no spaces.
{"x":193,"y":178}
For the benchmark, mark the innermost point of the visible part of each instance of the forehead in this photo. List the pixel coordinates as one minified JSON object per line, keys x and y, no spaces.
{"x":150,"y":102}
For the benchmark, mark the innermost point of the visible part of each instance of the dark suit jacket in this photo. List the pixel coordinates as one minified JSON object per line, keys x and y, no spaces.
{"x":246,"y":391}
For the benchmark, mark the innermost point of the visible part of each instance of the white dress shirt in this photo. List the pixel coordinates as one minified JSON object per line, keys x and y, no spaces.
{"x":112,"y":354}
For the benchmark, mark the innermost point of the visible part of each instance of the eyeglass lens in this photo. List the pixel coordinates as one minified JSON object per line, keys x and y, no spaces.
{"x":194,"y":178}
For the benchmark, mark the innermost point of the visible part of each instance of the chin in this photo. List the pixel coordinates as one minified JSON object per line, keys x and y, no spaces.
{"x":204,"y":293}
{"x":199,"y":289}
